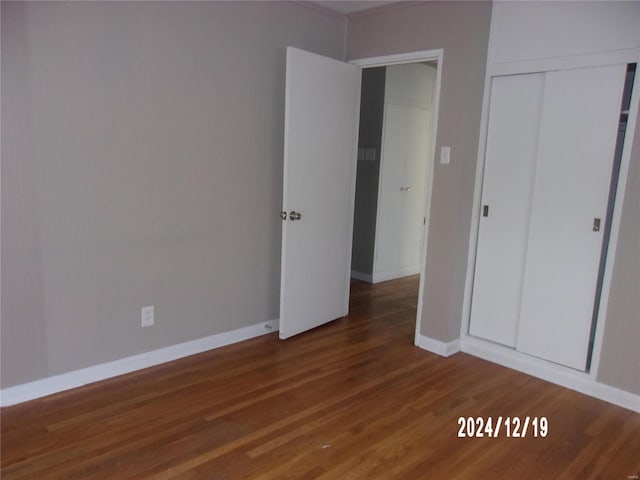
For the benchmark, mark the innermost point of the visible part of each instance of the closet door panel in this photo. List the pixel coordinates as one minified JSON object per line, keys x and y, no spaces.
{"x":514,"y":118}
{"x":573,"y":172}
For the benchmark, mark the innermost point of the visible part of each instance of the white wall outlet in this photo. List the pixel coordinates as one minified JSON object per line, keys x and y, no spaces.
{"x":445,"y":155}
{"x":147,"y":316}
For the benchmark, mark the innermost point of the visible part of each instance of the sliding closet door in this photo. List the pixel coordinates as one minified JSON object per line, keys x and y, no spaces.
{"x":514,"y":118}
{"x":573,"y":171}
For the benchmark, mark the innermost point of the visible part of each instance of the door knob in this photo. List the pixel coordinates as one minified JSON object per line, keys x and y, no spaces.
{"x":293,"y":215}
{"x":283,"y":215}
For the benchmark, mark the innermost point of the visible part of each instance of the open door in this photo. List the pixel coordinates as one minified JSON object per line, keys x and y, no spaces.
{"x":320,"y":139}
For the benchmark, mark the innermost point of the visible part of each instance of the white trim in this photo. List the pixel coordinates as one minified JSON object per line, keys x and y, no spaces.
{"x":378,"y":277}
{"x":77,"y":378}
{"x":612,"y":57}
{"x":396,"y":59}
{"x":551,"y":372}
{"x":444,"y":349}
{"x":381,"y":174}
{"x":436,"y":55}
{"x":363,"y":277}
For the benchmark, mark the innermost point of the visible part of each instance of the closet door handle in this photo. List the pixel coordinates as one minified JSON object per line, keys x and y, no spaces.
{"x":596,"y":224}
{"x":485,"y":211}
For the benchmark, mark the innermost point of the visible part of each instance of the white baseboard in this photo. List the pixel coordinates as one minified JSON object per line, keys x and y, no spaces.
{"x":393,"y":274}
{"x":363,"y":277}
{"x":551,"y":372}
{"x":77,"y":378}
{"x":444,"y":349}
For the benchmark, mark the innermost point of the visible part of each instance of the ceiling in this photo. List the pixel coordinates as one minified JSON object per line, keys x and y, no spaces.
{"x":347,"y":6}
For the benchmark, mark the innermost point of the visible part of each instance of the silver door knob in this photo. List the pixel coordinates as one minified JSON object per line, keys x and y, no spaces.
{"x":283,"y":215}
{"x":293,"y":215}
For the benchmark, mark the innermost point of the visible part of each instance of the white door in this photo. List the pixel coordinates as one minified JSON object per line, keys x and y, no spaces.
{"x":510,"y":155}
{"x":578,"y":134}
{"x":321,"y":104}
{"x":549,"y":154}
{"x":403,"y":171}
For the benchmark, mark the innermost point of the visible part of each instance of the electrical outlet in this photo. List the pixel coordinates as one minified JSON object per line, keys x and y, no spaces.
{"x":147,"y":316}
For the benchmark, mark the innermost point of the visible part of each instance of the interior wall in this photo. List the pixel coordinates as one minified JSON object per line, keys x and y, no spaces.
{"x":527,"y":30}
{"x":524,"y":31}
{"x":368,"y":169}
{"x":620,"y":358}
{"x":462,"y":30}
{"x":411,"y":84}
{"x":141,"y":165}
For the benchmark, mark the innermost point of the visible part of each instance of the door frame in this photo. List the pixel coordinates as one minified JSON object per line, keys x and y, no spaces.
{"x":581,"y":381}
{"x":436,"y":56}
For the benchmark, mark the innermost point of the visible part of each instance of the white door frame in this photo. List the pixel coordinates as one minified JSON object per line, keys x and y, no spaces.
{"x":398,"y":59}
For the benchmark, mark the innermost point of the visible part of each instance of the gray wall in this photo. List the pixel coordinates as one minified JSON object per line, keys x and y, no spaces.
{"x":128,"y":178}
{"x":620,"y":358}
{"x":368,"y":172}
{"x":462,"y":29}
{"x":141,"y":164}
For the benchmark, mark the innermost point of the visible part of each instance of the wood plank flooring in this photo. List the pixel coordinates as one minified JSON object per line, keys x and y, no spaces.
{"x":351,"y":400}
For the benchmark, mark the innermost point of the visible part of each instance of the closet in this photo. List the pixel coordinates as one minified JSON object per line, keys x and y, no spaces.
{"x":549,"y":157}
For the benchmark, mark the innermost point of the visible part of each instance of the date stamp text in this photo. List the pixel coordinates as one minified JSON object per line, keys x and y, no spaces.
{"x":510,"y":427}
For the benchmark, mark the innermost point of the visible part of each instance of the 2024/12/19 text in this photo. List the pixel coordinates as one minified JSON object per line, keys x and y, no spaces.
{"x":510,"y":427}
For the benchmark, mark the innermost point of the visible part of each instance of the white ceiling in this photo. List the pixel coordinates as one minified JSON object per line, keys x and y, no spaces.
{"x":347,"y":6}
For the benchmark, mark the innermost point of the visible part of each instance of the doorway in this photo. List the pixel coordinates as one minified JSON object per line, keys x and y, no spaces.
{"x":396,"y":148}
{"x":393,"y":154}
{"x":322,"y":102}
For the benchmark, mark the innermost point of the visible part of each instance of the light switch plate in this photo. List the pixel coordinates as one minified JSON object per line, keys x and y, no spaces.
{"x":445,"y":155}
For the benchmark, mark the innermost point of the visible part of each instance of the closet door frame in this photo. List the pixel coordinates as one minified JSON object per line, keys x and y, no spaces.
{"x":505,"y":355}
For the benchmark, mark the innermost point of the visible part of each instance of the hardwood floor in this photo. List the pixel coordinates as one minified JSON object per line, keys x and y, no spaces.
{"x":351,"y":400}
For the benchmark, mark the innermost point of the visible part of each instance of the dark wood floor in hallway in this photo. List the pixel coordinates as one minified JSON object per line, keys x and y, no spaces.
{"x":351,"y":400}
